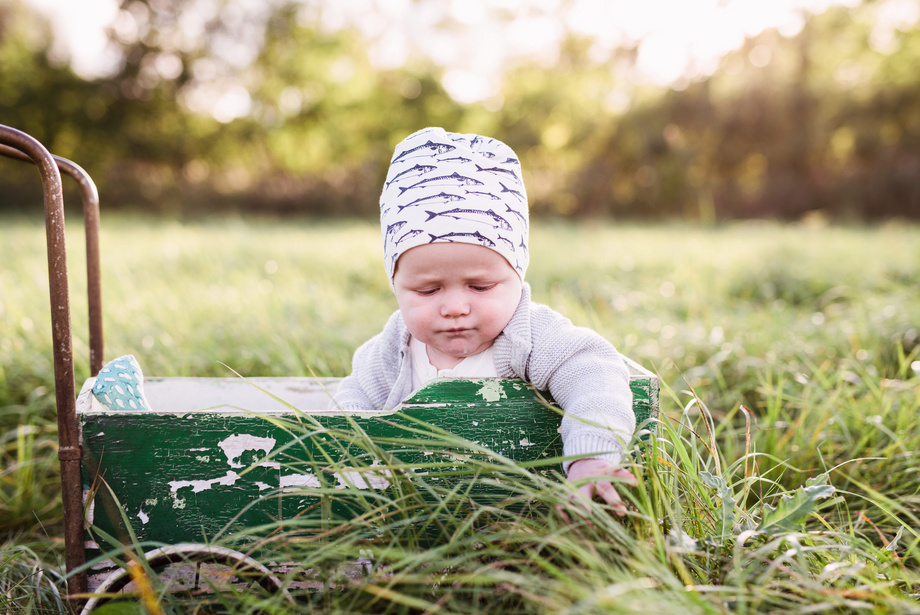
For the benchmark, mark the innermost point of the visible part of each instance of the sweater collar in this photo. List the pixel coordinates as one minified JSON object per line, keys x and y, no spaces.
{"x":512,"y":346}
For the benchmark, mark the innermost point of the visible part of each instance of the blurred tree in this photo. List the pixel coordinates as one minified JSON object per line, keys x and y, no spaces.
{"x":552,"y":117}
{"x":127,"y":132}
{"x":47,"y":101}
{"x":820,"y":122}
{"x":325,"y":119}
{"x":220,"y":105}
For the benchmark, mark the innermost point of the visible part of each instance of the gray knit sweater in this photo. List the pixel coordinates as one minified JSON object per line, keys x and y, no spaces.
{"x":581,"y":370}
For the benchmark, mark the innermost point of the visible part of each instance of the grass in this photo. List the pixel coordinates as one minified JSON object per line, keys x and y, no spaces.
{"x":783,"y":477}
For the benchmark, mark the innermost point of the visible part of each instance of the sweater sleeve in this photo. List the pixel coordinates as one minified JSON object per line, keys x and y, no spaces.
{"x":590,"y":381}
{"x":375,"y":371}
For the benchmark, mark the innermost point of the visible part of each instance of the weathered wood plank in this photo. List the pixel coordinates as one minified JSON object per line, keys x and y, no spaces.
{"x":183,"y":473}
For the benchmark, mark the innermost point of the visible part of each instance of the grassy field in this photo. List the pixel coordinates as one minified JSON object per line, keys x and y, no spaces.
{"x":784,"y":477}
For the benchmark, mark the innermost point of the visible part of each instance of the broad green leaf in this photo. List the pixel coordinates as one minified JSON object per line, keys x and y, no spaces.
{"x":791,"y":511}
{"x":820,"y":479}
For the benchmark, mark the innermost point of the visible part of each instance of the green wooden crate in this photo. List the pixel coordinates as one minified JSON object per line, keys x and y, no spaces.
{"x":217,"y":456}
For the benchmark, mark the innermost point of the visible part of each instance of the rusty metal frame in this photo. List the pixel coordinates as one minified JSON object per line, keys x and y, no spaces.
{"x":17,"y":144}
{"x":90,"y":197}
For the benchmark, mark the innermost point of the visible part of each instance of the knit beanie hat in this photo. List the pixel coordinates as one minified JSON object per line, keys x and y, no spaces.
{"x":449,"y":187}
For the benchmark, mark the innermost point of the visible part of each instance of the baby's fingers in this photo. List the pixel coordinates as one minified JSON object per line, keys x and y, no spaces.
{"x":608,"y":494}
{"x":580,"y":498}
{"x":626,"y":475}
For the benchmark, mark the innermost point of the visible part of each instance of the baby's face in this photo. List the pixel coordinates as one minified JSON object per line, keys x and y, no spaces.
{"x":456,"y":298}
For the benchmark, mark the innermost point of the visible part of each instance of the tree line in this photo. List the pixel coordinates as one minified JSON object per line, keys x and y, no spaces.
{"x":824,"y":123}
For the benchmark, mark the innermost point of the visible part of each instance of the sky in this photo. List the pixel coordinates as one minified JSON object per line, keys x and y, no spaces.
{"x":677,"y":39}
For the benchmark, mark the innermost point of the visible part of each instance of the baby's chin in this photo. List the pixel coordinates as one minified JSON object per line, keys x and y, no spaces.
{"x":458,"y":349}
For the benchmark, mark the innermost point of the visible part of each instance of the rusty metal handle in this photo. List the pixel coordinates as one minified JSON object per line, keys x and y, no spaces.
{"x":68,"y":434}
{"x":93,"y":270}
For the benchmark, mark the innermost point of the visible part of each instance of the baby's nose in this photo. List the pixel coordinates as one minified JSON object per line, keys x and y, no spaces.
{"x":455,"y":304}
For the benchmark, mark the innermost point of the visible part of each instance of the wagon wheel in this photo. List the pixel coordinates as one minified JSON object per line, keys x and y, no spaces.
{"x":159,"y":559}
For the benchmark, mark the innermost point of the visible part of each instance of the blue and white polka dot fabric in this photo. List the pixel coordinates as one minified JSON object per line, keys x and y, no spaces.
{"x":120,"y":385}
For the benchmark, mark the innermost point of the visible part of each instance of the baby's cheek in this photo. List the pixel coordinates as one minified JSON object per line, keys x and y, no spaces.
{"x":507,"y":312}
{"x":419,"y":323}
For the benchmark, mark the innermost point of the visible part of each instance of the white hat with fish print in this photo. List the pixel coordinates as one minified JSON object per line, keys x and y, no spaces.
{"x":449,"y":187}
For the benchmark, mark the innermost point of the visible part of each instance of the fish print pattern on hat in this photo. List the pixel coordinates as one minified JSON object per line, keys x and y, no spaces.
{"x":450,"y":187}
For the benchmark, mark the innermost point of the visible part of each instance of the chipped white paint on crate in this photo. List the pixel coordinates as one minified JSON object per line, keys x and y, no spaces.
{"x":492,"y":390}
{"x":234,"y":446}
{"x":89,"y":511}
{"x":300,"y":480}
{"x":364,"y":479}
{"x":144,"y":517}
{"x":347,"y":478}
{"x":199,"y":485}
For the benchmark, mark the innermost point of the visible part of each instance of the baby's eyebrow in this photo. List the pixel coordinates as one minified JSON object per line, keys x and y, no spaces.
{"x":482,"y":280}
{"x":480,"y":276}
{"x":434,"y":279}
{"x":422,"y":280}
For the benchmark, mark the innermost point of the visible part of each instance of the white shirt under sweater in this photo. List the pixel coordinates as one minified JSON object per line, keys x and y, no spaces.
{"x":479,"y":365}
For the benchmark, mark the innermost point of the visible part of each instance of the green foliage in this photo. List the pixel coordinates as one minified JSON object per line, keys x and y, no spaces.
{"x":29,"y":580}
{"x":432,"y":539}
{"x":28,"y":482}
{"x":820,"y":124}
{"x":790,"y":513}
{"x":782,"y":477}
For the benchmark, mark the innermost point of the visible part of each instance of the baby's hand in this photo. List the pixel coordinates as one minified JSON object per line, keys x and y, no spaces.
{"x":600,"y":471}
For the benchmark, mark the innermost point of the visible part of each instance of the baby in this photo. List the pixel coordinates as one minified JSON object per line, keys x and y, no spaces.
{"x":454,"y":219}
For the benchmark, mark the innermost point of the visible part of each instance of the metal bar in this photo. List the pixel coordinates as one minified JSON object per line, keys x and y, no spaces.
{"x":68,"y":436}
{"x":93,"y":270}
